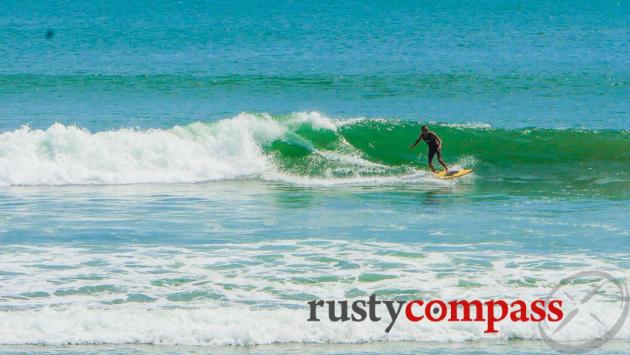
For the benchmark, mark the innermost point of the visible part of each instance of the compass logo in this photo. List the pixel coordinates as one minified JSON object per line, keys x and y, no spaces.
{"x":594,"y":301}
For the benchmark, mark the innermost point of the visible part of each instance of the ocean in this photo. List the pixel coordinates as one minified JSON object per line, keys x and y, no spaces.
{"x":185,"y":176}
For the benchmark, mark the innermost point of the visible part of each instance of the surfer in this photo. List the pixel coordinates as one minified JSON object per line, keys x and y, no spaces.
{"x":435,"y":146}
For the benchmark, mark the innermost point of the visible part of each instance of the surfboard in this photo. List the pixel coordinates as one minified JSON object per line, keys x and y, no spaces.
{"x":452,"y":173}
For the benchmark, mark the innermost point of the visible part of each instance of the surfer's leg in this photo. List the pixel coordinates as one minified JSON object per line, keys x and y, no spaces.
{"x":439,"y":156}
{"x":431,"y":154}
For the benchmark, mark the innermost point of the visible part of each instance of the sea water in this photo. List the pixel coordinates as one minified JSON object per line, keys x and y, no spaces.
{"x":190,"y":174}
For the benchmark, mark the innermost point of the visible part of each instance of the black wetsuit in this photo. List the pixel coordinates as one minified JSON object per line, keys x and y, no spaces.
{"x":430,"y":140}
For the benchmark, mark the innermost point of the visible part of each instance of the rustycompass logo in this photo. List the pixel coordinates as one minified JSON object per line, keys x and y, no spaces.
{"x":594,"y":301}
{"x":489,"y":312}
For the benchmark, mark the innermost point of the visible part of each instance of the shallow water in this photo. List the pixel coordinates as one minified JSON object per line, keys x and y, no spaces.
{"x":201,"y":264}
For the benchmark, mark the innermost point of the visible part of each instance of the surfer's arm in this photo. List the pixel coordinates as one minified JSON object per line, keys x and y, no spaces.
{"x":416,"y":143}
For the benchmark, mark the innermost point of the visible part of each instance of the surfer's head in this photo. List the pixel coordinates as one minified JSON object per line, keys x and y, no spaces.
{"x":425,"y":129}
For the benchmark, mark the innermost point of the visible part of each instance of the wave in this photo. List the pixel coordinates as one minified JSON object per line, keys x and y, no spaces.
{"x":305,"y":147}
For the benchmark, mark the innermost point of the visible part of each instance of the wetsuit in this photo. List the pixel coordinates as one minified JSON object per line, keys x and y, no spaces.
{"x":430,"y":140}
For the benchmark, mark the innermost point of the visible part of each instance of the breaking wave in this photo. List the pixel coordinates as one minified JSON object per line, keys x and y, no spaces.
{"x":298,"y":148}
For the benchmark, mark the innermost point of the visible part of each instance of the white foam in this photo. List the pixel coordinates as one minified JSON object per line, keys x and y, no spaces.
{"x":256,"y":293}
{"x":474,"y":125}
{"x":198,"y":152}
{"x":216,"y":325}
{"x":420,"y":178}
{"x":315,"y":119}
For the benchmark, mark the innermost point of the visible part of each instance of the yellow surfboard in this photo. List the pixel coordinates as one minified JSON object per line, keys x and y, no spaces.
{"x":452,"y":173}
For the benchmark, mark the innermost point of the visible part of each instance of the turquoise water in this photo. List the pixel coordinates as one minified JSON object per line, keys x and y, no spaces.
{"x":190,"y":174}
{"x":506,"y":63}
